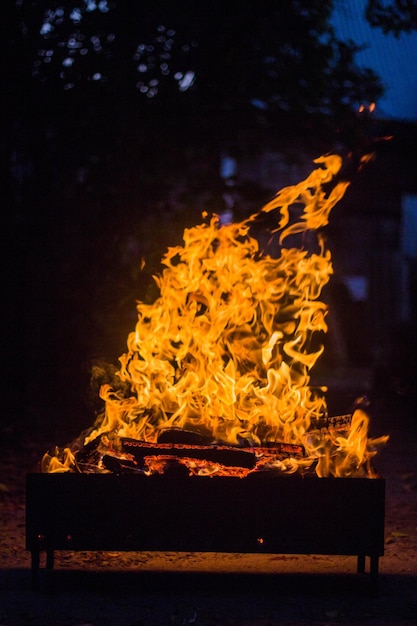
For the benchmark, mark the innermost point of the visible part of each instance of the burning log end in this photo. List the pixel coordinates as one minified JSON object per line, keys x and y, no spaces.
{"x":120,"y":466}
{"x":337,"y":422}
{"x":90,"y":453}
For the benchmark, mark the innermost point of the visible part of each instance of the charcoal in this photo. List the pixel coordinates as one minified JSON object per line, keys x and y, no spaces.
{"x":225,"y":455}
{"x":89,"y":453}
{"x":119,"y":466}
{"x":282,"y":450}
{"x":125,"y":466}
{"x":87,"y":468}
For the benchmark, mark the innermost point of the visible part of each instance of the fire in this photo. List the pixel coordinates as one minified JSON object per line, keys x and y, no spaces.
{"x":227,"y":348}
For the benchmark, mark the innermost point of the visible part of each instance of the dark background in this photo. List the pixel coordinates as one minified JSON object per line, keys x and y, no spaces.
{"x":102,"y":166}
{"x":118,"y":116}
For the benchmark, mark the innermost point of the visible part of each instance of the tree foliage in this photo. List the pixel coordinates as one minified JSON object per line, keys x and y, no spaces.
{"x":394,"y":16}
{"x":227,"y":55}
{"x":114,"y":101}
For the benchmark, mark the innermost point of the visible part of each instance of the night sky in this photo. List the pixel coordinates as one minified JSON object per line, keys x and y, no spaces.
{"x":392,"y":58}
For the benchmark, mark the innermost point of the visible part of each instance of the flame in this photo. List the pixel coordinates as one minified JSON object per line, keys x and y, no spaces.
{"x":57,"y":460}
{"x":226,"y":349}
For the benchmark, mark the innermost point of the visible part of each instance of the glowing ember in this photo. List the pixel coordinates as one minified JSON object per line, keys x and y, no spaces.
{"x":225,"y":350}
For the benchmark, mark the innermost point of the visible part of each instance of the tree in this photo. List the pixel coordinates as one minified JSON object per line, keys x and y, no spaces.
{"x":280,"y":56}
{"x":394,"y":16}
{"x":113,"y":80}
{"x":116,"y":99}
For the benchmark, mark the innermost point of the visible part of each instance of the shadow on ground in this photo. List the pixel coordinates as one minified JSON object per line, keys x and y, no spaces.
{"x":160,"y":599}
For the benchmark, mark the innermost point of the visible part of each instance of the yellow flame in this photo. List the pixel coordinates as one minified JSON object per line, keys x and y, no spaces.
{"x":225,"y":348}
{"x":58,"y":460}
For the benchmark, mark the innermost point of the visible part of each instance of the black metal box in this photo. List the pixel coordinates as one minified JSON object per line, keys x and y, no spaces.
{"x":262,"y":512}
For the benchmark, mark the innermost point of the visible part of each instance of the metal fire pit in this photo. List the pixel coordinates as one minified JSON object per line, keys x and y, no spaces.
{"x":260,"y":513}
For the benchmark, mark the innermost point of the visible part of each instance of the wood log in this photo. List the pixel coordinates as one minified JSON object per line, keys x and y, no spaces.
{"x":224,"y":455}
{"x":120,"y":466}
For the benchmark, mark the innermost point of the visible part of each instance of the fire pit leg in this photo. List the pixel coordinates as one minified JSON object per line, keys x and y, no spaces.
{"x":50,"y":560}
{"x":374,"y":573}
{"x":361,"y":564}
{"x":35,"y":562}
{"x":35,"y":566}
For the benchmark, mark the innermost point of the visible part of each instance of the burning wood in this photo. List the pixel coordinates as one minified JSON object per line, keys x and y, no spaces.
{"x":125,"y":455}
{"x":225,"y":353}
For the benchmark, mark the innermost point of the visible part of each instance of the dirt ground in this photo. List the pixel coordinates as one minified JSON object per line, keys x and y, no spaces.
{"x":163,"y":589}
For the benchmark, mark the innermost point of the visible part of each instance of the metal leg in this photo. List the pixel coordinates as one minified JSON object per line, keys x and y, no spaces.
{"x":361,"y":564}
{"x":35,"y":559}
{"x":50,"y":559}
{"x":374,"y":574}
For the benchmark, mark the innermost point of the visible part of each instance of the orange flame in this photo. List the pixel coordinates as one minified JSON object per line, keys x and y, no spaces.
{"x":225,"y":348}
